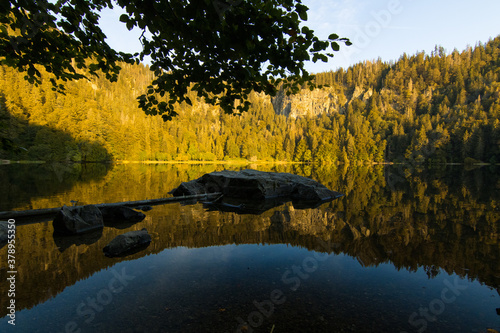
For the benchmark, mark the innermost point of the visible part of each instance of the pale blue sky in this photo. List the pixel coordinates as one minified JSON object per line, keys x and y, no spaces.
{"x":378,"y":28}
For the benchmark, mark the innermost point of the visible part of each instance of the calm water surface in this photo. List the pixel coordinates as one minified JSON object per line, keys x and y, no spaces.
{"x":404,"y":251}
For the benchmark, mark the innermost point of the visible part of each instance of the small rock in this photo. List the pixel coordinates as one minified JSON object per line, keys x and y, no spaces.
{"x":121,"y":213}
{"x":128,"y":243}
{"x":77,"y":220}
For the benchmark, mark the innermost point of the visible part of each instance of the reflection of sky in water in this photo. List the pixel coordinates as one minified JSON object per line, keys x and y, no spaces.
{"x":208,"y":289}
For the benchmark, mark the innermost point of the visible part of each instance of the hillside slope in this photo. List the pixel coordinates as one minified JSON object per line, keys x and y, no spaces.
{"x":424,"y":108}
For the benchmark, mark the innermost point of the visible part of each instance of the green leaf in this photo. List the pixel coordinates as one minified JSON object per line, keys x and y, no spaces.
{"x":302,"y":11}
{"x":323,"y":57}
{"x":335,"y":46}
{"x":182,"y":49}
{"x":130,"y":25}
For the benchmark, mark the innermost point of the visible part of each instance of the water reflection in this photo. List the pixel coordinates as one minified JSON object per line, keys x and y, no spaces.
{"x":33,"y":186}
{"x":64,"y":242}
{"x":206,"y":268}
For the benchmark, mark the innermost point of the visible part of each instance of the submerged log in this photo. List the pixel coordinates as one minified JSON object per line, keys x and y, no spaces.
{"x":34,"y":213}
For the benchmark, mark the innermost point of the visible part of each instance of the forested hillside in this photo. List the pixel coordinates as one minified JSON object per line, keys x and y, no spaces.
{"x":443,"y":107}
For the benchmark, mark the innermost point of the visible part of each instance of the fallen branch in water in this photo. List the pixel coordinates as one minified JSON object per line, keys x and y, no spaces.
{"x":51,"y":211}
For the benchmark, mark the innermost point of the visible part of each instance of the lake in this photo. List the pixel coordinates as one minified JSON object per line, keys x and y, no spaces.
{"x":407,"y":249}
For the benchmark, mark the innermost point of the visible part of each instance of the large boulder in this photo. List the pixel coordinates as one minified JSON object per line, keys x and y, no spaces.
{"x":128,"y":243}
{"x":77,"y":220}
{"x":257,"y":185}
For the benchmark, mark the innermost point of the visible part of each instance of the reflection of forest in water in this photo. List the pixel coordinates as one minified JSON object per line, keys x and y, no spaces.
{"x":437,"y":219}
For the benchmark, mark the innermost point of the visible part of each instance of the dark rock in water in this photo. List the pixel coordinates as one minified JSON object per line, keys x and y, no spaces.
{"x":64,"y":242}
{"x":144,"y":208}
{"x":190,"y":188}
{"x":121,"y":213}
{"x":258,"y":185}
{"x":498,"y":311}
{"x":254,"y":192}
{"x":76,"y":220}
{"x":128,"y":243}
{"x":121,"y":217}
{"x":4,"y":232}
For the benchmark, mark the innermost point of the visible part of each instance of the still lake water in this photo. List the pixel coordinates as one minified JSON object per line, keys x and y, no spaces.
{"x":406,"y":250}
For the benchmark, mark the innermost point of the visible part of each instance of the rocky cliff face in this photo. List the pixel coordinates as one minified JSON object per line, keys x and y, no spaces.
{"x":306,"y":103}
{"x":314,"y":103}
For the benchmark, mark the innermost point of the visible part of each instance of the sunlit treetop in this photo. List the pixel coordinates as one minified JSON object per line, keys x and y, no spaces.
{"x":222,"y":50}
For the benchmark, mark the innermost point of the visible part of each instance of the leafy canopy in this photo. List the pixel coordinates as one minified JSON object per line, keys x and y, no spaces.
{"x":222,"y":50}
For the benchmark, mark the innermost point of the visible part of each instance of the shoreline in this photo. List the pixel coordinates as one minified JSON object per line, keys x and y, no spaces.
{"x":239,"y":162}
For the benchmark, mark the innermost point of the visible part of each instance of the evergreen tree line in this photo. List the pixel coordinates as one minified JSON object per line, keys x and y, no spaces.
{"x":423,"y":108}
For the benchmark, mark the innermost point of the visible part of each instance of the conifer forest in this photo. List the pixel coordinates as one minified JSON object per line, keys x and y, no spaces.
{"x":442,"y":107}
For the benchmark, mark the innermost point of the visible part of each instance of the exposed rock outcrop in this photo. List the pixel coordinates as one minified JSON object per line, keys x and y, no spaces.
{"x":128,"y":243}
{"x":306,"y":103}
{"x":77,"y":220}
